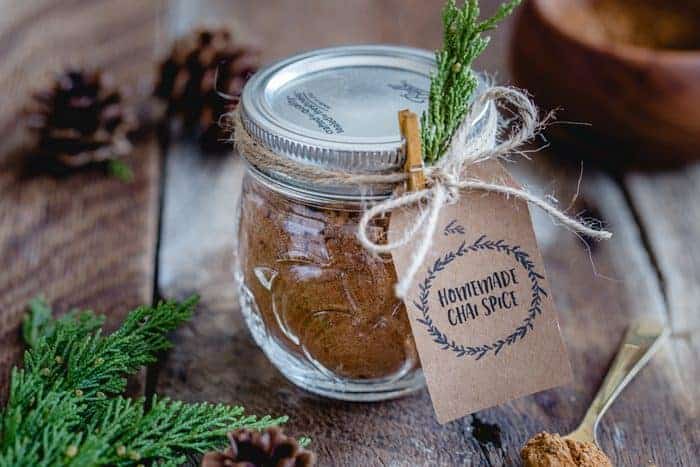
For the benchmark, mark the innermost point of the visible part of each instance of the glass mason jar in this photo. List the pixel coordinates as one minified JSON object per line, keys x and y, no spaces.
{"x":319,"y":305}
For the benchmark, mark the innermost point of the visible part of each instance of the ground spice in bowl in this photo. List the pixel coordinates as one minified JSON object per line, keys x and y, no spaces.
{"x":654,"y":24}
{"x":629,"y":69}
{"x":552,"y":450}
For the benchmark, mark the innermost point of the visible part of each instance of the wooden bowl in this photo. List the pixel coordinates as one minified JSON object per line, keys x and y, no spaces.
{"x":638,"y":85}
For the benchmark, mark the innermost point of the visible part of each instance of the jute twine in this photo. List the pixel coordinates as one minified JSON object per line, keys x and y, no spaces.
{"x":447,"y":179}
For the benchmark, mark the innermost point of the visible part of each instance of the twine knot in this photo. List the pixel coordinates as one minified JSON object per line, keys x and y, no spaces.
{"x":448,"y":180}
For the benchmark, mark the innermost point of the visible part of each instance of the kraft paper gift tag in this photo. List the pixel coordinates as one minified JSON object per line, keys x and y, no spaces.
{"x":480,"y":307}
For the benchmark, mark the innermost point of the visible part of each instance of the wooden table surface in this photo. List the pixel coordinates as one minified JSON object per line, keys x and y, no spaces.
{"x":90,"y":241}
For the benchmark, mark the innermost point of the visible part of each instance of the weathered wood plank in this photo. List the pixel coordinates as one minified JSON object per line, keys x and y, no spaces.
{"x":84,"y":240}
{"x":215,"y":359}
{"x":667,"y":208}
{"x":653,"y":422}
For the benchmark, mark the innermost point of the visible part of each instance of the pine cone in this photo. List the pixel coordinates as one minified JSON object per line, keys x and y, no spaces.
{"x":202,"y":68}
{"x":269,"y":448}
{"x":81,"y":119}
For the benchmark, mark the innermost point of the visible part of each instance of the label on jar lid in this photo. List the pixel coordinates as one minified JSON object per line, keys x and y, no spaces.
{"x":480,"y":306}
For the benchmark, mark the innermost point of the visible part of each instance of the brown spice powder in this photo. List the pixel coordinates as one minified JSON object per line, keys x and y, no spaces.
{"x":321,"y":295}
{"x":551,"y":450}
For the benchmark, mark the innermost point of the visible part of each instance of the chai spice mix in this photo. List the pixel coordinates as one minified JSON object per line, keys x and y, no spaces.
{"x":320,"y":294}
{"x":552,"y":450}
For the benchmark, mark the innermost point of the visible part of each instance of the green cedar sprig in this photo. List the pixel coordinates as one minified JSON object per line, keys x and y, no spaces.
{"x":65,"y":407}
{"x":454,"y":83}
{"x":76,"y":354}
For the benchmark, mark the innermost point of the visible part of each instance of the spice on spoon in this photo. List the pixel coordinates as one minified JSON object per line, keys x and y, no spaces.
{"x":578,"y":448}
{"x":551,"y":450}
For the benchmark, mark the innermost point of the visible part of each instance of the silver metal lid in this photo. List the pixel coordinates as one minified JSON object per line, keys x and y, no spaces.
{"x":337,"y":107}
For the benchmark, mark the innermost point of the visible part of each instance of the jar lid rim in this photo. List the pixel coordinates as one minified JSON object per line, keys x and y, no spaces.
{"x":338,"y":107}
{"x":314,"y":131}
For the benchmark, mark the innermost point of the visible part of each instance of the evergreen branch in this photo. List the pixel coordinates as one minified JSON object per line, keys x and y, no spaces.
{"x":454,"y":83}
{"x":37,"y":433}
{"x":36,"y":321}
{"x":39,"y":322}
{"x":64,"y":407}
{"x":172,"y":429}
{"x":95,"y":366}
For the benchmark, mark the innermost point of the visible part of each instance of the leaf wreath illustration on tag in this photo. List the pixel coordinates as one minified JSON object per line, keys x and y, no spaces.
{"x":497,"y":296}
{"x":480,"y":307}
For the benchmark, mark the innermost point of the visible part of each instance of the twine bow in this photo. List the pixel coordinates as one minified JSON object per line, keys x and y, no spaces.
{"x":446,"y":180}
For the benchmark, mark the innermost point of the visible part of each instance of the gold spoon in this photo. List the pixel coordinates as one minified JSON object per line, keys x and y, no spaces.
{"x":641,"y":342}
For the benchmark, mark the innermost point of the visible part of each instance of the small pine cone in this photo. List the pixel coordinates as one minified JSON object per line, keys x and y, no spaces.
{"x":269,"y":448}
{"x":202,"y":68}
{"x":81,"y":119}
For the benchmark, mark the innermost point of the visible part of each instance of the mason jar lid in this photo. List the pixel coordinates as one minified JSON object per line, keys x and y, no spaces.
{"x":337,"y":108}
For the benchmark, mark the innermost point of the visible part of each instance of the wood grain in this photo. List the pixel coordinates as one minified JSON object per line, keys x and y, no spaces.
{"x":598,"y":292}
{"x":666,"y":208}
{"x":82,"y":240}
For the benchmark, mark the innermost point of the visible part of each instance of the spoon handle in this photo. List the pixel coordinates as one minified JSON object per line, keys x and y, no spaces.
{"x":641,"y":341}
